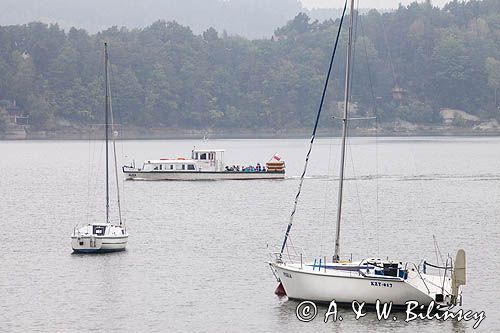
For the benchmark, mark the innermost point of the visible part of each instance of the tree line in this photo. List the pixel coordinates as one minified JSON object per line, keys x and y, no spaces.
{"x":409,"y":64}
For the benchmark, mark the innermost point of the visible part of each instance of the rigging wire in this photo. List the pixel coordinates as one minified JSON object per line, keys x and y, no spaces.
{"x":95,"y":153}
{"x":329,"y":182}
{"x":357,"y":191}
{"x":98,"y":171}
{"x":290,"y":223}
{"x":375,"y":112}
{"x":354,"y":48}
{"x":89,"y":174}
{"x":377,"y":221}
{"x":391,"y":63}
{"x":114,"y":153}
{"x":436,"y":249}
{"x":121,"y":196}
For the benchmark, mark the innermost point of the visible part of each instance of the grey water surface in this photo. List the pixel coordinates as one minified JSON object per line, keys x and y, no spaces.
{"x":197,"y":252}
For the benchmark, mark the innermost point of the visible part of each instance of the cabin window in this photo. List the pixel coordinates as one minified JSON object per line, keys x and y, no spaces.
{"x":179,"y":166}
{"x":183,"y":167}
{"x":190,"y":166}
{"x":159,"y":167}
{"x":155,"y":168}
{"x":203,"y":156}
{"x":171,"y":167}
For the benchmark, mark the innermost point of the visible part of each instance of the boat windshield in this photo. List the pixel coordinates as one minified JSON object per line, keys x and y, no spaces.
{"x":99,"y":230}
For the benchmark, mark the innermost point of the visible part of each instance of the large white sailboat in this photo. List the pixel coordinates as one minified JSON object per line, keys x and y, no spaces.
{"x":104,"y":236}
{"x":367,"y":280}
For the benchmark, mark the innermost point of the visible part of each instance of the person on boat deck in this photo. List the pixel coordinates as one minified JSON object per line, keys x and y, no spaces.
{"x":259,"y":169}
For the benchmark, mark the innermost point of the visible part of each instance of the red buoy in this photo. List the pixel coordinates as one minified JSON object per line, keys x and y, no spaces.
{"x":280,"y":290}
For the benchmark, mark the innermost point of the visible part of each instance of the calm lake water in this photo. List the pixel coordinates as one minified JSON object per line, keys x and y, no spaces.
{"x":197,"y":250}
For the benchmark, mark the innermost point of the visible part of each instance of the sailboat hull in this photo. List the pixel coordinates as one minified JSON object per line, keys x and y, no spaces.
{"x":88,"y":244}
{"x":346,"y":287}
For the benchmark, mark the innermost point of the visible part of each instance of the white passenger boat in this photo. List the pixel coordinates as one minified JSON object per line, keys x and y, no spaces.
{"x":328,"y":278}
{"x":98,"y":237}
{"x":204,"y":164}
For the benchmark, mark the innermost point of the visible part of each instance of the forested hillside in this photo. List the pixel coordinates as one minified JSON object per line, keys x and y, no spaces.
{"x":409,"y":64}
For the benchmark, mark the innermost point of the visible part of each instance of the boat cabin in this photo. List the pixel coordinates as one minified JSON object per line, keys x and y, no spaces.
{"x":209,"y":158}
{"x":201,"y":160}
{"x":166,"y":164}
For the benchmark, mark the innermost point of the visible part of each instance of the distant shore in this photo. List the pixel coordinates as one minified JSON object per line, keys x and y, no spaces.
{"x":175,"y":133}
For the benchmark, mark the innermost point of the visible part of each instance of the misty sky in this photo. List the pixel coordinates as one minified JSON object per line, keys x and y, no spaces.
{"x":364,"y":3}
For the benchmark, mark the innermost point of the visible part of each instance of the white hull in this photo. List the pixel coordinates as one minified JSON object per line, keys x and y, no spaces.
{"x":345,"y":286}
{"x":201,"y":175}
{"x":98,"y":244}
{"x":95,"y":238}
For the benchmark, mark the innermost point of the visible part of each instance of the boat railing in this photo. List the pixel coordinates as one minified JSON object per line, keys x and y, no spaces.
{"x":292,"y":255}
{"x":447,"y":268}
{"x":421,"y":278}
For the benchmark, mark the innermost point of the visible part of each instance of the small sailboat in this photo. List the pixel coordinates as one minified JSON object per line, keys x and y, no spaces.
{"x":369,"y":280}
{"x":104,"y":236}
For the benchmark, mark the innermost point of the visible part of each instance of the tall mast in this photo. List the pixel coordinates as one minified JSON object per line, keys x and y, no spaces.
{"x":336,"y":256}
{"x":106,"y":129}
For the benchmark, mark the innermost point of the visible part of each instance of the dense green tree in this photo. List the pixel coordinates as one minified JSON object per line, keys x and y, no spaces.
{"x":493,"y":69}
{"x":408,"y":64}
